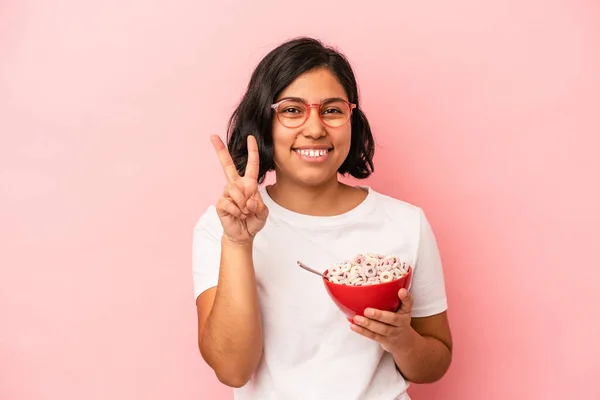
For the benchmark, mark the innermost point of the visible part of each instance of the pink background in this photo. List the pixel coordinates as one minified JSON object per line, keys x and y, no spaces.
{"x":486,"y":114}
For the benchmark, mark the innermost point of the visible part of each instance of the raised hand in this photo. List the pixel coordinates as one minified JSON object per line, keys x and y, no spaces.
{"x":240,"y":209}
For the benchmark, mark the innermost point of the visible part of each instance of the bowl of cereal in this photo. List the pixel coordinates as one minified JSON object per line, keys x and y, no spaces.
{"x":367,"y":281}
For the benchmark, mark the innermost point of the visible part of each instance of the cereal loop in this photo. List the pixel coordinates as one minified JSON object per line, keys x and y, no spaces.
{"x":386,"y":276}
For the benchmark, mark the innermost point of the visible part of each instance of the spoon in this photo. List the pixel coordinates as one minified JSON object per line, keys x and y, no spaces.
{"x":309,"y":269}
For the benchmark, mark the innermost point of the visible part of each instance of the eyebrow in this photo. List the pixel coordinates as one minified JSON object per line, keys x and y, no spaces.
{"x":304,"y":100}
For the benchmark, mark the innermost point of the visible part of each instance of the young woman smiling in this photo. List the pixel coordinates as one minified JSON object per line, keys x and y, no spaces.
{"x":267,"y":327}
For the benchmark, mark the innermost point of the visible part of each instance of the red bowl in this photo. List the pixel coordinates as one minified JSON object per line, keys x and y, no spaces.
{"x":353,"y":300}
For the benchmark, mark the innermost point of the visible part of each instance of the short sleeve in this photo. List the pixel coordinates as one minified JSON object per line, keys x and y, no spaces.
{"x":428,"y":286}
{"x":206,"y":251}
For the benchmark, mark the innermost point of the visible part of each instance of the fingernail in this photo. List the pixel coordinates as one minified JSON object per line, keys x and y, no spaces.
{"x":369,"y":312}
{"x":359,"y":319}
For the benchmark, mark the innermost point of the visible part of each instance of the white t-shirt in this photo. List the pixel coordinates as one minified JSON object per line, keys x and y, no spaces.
{"x":310,"y":352}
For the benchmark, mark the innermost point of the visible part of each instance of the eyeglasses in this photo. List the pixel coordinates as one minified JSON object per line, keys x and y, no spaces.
{"x":293,"y":112}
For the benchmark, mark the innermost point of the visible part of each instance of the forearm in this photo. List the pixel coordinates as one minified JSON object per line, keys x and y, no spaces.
{"x":231,"y":342}
{"x":424,"y":360}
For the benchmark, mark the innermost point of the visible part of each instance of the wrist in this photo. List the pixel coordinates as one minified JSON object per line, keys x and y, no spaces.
{"x":410,"y":341}
{"x":245,"y":244}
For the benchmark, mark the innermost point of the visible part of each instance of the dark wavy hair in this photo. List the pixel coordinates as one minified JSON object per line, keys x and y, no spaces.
{"x":277,"y":70}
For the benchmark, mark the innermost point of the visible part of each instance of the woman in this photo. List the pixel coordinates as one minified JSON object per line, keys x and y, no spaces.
{"x":268,"y":327}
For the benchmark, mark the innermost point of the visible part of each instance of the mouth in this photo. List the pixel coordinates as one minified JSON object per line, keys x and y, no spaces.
{"x":313,"y":151}
{"x":313,"y":154}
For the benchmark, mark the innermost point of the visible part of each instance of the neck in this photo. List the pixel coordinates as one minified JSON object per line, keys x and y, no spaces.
{"x":319,"y":200}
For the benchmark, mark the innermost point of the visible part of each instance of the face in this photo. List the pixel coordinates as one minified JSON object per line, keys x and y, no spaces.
{"x":312,"y":153}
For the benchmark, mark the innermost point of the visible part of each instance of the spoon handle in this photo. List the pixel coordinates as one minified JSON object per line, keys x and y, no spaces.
{"x":309,"y":269}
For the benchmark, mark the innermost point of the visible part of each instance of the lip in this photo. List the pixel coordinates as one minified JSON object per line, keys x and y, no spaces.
{"x":313,"y":148}
{"x":313,"y":158}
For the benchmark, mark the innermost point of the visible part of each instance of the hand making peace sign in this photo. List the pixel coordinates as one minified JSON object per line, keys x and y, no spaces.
{"x":240,"y":209}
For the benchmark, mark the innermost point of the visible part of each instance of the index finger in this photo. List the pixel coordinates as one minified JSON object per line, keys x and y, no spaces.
{"x":385,"y":317}
{"x":253,"y":163}
{"x":225,"y":158}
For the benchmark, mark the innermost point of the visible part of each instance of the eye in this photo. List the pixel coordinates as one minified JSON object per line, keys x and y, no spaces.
{"x":291,"y":108}
{"x":331,"y":110}
{"x":334,"y":109}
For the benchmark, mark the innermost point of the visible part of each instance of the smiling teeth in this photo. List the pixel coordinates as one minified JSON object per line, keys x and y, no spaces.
{"x":312,"y":153}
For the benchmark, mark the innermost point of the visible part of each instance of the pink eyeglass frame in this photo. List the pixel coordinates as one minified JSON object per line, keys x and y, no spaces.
{"x":352,"y":106}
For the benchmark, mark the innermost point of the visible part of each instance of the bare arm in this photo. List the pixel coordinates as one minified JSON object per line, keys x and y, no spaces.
{"x":428,"y":353}
{"x":421,"y":347}
{"x":229,"y":321}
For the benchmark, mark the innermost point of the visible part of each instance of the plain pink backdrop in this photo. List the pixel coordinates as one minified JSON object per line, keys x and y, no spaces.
{"x":485,"y":113}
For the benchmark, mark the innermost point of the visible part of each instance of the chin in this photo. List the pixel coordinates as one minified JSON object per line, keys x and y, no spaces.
{"x":315,"y":179}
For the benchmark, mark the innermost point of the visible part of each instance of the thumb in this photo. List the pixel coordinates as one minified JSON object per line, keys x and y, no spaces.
{"x":262,"y":212}
{"x":406,"y":300}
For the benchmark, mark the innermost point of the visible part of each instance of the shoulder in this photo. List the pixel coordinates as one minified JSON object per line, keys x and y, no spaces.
{"x":395,"y":208}
{"x":209,"y":223}
{"x":394,"y":202}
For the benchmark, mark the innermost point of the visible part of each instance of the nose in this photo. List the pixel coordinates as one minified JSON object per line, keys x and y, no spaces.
{"x":313,"y":127}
